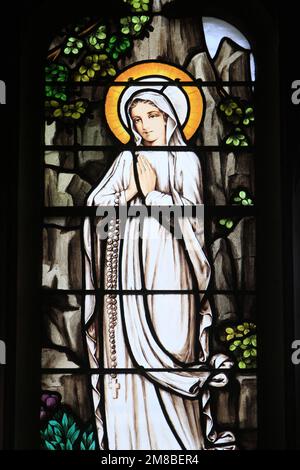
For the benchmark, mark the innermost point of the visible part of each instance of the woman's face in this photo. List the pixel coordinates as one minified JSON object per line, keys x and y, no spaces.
{"x":150,"y":123}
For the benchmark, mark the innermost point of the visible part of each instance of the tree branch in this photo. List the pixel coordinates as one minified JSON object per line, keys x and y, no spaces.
{"x":54,"y":53}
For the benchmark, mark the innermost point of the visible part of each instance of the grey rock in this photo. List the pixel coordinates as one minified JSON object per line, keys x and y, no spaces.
{"x":62,"y":259}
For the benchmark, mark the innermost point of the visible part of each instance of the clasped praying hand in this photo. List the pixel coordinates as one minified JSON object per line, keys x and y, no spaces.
{"x":147,"y":178}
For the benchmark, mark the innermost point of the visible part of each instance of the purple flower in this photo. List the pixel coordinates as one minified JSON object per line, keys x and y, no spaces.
{"x":49,"y":402}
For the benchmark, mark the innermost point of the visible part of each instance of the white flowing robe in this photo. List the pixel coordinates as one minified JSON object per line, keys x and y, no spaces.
{"x":154,"y":409}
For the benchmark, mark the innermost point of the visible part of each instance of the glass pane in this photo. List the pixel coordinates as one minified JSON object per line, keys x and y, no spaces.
{"x":62,"y":337}
{"x":220,"y":34}
{"x":233,"y":253}
{"x":62,"y":268}
{"x":66,"y":413}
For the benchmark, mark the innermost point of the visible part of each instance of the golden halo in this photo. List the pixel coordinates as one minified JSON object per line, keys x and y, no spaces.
{"x":143,"y":70}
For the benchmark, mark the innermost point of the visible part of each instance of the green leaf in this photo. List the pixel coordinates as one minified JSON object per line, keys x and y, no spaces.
{"x":90,"y":438}
{"x":82,"y":69}
{"x":76,"y":115}
{"x":111,"y":72}
{"x":242,"y":365}
{"x":229,"y":224}
{"x":135,"y":19}
{"x":246,"y":122}
{"x":92,"y":446}
{"x":67,"y":50}
{"x":228,"y":112}
{"x":49,"y":445}
{"x":58,"y":430}
{"x":229,"y":140}
{"x":93,"y":41}
{"x":237,"y":342}
{"x":246,"y":353}
{"x":75,"y":51}
{"x":229,"y":330}
{"x":236,"y":142}
{"x":75,"y":435}
{"x":232,"y":347}
{"x":246,"y":341}
{"x":240,"y":327}
{"x":253,"y":352}
{"x":58,"y":438}
{"x":229,"y":337}
{"x":71,"y":431}
{"x":57,"y":113}
{"x":69,"y":445}
{"x":90,"y":73}
{"x":64,"y":422}
{"x":244,"y":202}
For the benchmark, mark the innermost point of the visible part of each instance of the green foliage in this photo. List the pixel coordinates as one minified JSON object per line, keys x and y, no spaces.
{"x":134,"y":25}
{"x":67,"y":112}
{"x":91,"y":51}
{"x":96,"y":40}
{"x":242,"y":198}
{"x":73,"y":46}
{"x":226,"y":223}
{"x":55,"y":73}
{"x":242,"y":343}
{"x":87,"y":441}
{"x":96,"y":64}
{"x":138,"y":6}
{"x":62,"y":432}
{"x":118,"y":46}
{"x":236,"y":112}
{"x":237,"y":138}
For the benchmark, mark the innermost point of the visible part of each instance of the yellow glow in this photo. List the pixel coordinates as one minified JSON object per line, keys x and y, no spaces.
{"x":144,"y":70}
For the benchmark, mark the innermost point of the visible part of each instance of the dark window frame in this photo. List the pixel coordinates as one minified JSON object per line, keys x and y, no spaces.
{"x":24,"y":333}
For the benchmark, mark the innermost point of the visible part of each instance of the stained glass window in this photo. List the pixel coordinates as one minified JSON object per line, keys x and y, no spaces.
{"x":149,"y":325}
